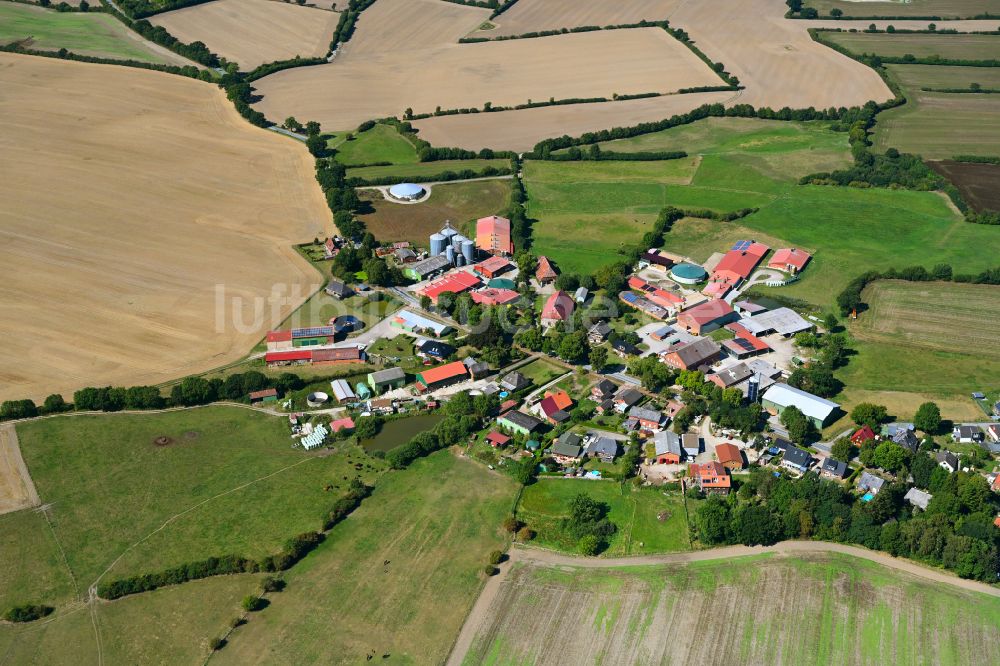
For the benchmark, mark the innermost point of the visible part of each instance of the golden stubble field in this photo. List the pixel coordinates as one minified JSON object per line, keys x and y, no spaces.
{"x":127,"y":197}
{"x":253,"y":32}
{"x":536,"y":15}
{"x":405,"y":55}
{"x":774,"y":58}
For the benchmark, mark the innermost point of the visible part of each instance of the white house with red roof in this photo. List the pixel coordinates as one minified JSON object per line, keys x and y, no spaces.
{"x":558,"y":307}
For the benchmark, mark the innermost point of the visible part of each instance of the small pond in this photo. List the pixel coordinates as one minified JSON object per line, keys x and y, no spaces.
{"x":400,"y":431}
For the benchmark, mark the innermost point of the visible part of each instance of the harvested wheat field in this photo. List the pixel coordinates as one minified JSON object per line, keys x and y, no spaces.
{"x":17,"y":490}
{"x":410,"y":25}
{"x":365,"y":83}
{"x":253,"y":32}
{"x":128,"y":196}
{"x":774,"y":58}
{"x":536,"y":15}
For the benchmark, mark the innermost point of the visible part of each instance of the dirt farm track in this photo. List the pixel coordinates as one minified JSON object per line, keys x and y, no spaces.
{"x":128,"y":197}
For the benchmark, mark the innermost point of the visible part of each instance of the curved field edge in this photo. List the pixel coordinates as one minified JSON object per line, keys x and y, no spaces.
{"x":228,"y":482}
{"x":791,"y":607}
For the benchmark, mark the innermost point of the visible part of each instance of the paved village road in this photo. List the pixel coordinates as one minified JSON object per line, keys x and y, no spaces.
{"x":481,"y":610}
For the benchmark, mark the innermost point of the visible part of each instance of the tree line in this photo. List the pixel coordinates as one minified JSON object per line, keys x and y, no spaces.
{"x":293,"y":551}
{"x":564,"y":31}
{"x":138,"y":9}
{"x":849,"y":300}
{"x":596,"y":154}
{"x":348,"y":19}
{"x":189,"y":71}
{"x":956,"y":531}
{"x":449,"y":175}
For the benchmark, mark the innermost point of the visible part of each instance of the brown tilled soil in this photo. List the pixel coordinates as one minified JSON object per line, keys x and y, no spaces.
{"x":128,"y":197}
{"x":978,"y":183}
{"x":253,"y":32}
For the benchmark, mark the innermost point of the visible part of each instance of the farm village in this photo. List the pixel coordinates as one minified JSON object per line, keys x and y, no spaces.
{"x":698,"y":318}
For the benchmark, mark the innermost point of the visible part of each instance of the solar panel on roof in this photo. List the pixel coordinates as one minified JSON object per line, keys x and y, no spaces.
{"x":629,"y":297}
{"x":312,"y":332}
{"x":745,"y":344}
{"x":739,"y":246}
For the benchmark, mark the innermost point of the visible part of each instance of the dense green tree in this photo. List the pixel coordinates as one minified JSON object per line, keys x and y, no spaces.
{"x":889,"y":456}
{"x":869,"y":414}
{"x":801,"y":430}
{"x":843,"y":450}
{"x":928,"y":418}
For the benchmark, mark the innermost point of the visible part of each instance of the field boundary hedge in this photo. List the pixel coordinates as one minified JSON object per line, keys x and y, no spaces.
{"x":189,"y":71}
{"x":445,"y":176}
{"x":562,"y":31}
{"x":849,"y":299}
{"x":295,"y":549}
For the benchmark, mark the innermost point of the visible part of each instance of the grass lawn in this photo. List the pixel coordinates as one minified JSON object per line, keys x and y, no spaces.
{"x":171,"y":625}
{"x":423,"y":170}
{"x":648,"y":520}
{"x":541,"y":372}
{"x":815,"y":609}
{"x":460,"y":202}
{"x":322,"y":308}
{"x":947,"y":46}
{"x":92,"y":34}
{"x":941,"y":125}
{"x":382,"y":143}
{"x":230,"y":480}
{"x":33,"y":570}
{"x":398,"y":577}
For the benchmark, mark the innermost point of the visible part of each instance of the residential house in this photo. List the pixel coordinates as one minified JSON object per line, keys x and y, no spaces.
{"x":441,"y":376}
{"x":833,"y":469}
{"x":730,"y":376}
{"x":606,"y":406}
{"x":918,"y":498}
{"x":692,"y":355}
{"x":339,"y":290}
{"x":691,"y":443}
{"x":497,"y":440}
{"x":567,"y":448}
{"x":870,"y":484}
{"x":383,"y":406}
{"x":386,"y":380}
{"x":263,"y":396}
{"x":605,"y":448}
{"x":477,"y":369}
{"x":545,"y":273}
{"x":555,"y":407}
{"x":730,"y":456}
{"x":796,"y":459}
{"x":862,"y":435}
{"x":781,"y":396}
{"x":906,"y":438}
{"x":603,"y":390}
{"x":789,"y":260}
{"x":706,"y":317}
{"x":967,"y":434}
{"x":947,"y":460}
{"x":599,"y":332}
{"x":404,"y":255}
{"x":559,"y":307}
{"x":649,"y":420}
{"x":434,"y":349}
{"x":711,"y":477}
{"x":624,"y":349}
{"x":514,"y":381}
{"x":668,"y":448}
{"x":519,"y":422}
{"x":626,"y":397}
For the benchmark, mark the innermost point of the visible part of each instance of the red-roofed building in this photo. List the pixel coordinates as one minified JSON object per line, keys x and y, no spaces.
{"x":497,"y":439}
{"x":554,"y":407}
{"x":745,"y":344}
{"x":336,"y":356}
{"x":493,"y":235}
{"x":265,"y":395}
{"x":558,"y":307}
{"x":546,"y":272}
{"x":706,"y":317}
{"x":279,"y":340}
{"x":290,"y":357}
{"x":736,"y":266}
{"x":729,"y":456}
{"x":996,"y":521}
{"x":456,"y":283}
{"x":789,"y":260}
{"x":636,"y":282}
{"x":561,"y":398}
{"x":491,"y":296}
{"x":862,"y":435}
{"x":711,"y":477}
{"x":346,"y":423}
{"x":718,"y":289}
{"x":493,"y":267}
{"x":442,"y":375}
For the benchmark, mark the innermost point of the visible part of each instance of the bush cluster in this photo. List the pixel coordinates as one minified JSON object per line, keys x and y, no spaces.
{"x":27,"y":613}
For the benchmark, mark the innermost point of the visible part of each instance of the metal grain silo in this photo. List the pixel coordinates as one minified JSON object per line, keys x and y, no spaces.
{"x":468,"y":250}
{"x":438,"y":242}
{"x":449,"y":253}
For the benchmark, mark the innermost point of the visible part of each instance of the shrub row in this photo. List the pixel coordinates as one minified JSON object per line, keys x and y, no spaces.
{"x":279,"y":65}
{"x":563,"y":31}
{"x":348,"y":19}
{"x":138,"y":9}
{"x":464,"y":174}
{"x":595,"y":154}
{"x":189,"y":71}
{"x":27,"y":613}
{"x":502,"y":8}
{"x":977,"y":159}
{"x":849,"y":300}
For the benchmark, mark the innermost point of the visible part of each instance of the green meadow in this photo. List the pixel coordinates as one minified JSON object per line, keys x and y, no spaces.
{"x":421,"y":170}
{"x":757,"y":164}
{"x":92,"y":34}
{"x":381,"y":143}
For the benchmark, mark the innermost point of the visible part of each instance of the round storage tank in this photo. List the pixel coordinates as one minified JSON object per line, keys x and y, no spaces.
{"x":688,"y":273}
{"x":449,"y":253}
{"x":459,"y":260}
{"x":456,"y":242}
{"x":468,"y":250}
{"x":448,"y":232}
{"x":438,"y":242}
